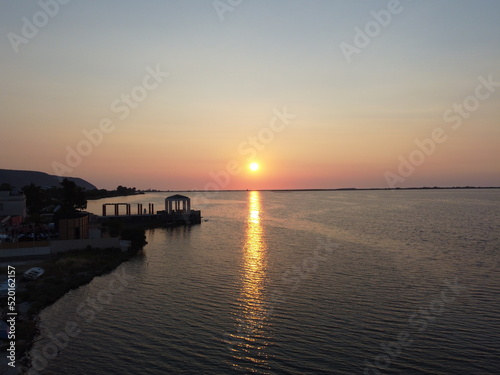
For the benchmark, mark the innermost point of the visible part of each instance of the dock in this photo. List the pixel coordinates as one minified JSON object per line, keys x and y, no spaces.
{"x":177,"y":212}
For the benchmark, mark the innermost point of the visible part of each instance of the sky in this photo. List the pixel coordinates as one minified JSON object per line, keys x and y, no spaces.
{"x":185,"y":94}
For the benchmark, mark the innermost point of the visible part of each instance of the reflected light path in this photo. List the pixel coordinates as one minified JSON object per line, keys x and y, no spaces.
{"x":251,"y":339}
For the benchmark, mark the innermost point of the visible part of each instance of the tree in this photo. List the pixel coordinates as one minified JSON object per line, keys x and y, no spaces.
{"x":34,"y":198}
{"x":123,"y":190}
{"x":4,"y":186}
{"x":73,"y":197}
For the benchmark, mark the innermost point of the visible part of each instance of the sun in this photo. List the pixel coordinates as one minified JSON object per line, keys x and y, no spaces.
{"x":254,"y":166}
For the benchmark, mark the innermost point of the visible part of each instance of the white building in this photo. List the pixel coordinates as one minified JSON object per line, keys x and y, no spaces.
{"x":12,"y":204}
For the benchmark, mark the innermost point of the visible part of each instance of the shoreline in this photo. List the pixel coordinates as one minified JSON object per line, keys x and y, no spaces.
{"x":334,"y":189}
{"x":63,"y":273}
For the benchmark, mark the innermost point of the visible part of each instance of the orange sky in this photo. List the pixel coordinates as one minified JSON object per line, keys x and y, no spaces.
{"x":172,"y":93}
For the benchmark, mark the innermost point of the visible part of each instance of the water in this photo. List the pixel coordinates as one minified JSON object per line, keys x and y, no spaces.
{"x":354,"y":282}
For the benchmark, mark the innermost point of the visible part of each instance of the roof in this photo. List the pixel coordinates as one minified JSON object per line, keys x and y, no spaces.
{"x":177,"y":197}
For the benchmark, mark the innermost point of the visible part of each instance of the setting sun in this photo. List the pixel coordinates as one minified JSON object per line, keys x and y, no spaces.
{"x":254,"y":167}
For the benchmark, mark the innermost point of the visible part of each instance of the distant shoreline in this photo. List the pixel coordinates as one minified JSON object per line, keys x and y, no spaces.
{"x":111,"y":195}
{"x":339,"y":189}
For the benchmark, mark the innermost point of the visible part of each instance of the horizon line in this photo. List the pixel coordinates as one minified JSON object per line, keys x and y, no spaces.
{"x":320,"y":189}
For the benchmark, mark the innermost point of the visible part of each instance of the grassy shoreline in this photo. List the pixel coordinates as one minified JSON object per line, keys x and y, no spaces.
{"x":63,"y":273}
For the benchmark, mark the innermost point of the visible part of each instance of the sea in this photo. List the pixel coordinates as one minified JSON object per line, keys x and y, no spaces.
{"x":294,"y":282}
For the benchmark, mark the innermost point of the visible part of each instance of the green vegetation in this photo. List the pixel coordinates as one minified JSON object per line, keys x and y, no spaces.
{"x":103,"y":193}
{"x":135,"y":235}
{"x":5,"y":187}
{"x":69,"y":197}
{"x":73,"y":197}
{"x":69,"y":271}
{"x":63,"y":273}
{"x":126,"y":231}
{"x":114,"y":227}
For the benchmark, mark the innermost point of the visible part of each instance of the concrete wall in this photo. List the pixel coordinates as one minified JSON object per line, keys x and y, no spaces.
{"x":26,"y":252}
{"x":23,"y":244}
{"x":62,"y":246}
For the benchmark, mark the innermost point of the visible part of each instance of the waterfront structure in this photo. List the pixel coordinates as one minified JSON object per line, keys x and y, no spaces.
{"x":128,"y":209}
{"x":177,"y":204}
{"x":177,"y":212}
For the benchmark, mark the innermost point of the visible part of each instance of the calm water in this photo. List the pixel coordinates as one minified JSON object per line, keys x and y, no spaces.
{"x":392,"y":282}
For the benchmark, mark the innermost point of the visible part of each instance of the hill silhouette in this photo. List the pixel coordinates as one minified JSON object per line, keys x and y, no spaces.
{"x":19,"y":179}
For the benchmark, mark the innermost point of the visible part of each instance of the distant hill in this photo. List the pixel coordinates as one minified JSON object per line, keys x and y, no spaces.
{"x":19,"y":179}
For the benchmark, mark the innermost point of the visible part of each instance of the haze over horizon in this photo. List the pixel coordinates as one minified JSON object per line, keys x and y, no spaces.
{"x":183,"y":95}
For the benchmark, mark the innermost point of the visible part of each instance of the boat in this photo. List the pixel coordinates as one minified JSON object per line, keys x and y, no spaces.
{"x":34,"y":273}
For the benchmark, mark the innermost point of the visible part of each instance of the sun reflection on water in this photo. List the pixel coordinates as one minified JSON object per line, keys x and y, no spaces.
{"x":251,"y":337}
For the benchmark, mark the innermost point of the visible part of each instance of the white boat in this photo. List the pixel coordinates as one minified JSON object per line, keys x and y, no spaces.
{"x":34,"y":273}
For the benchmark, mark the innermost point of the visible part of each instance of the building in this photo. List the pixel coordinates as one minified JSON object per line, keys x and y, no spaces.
{"x":12,"y":204}
{"x":74,"y":226}
{"x":178,"y":210}
{"x":177,"y":204}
